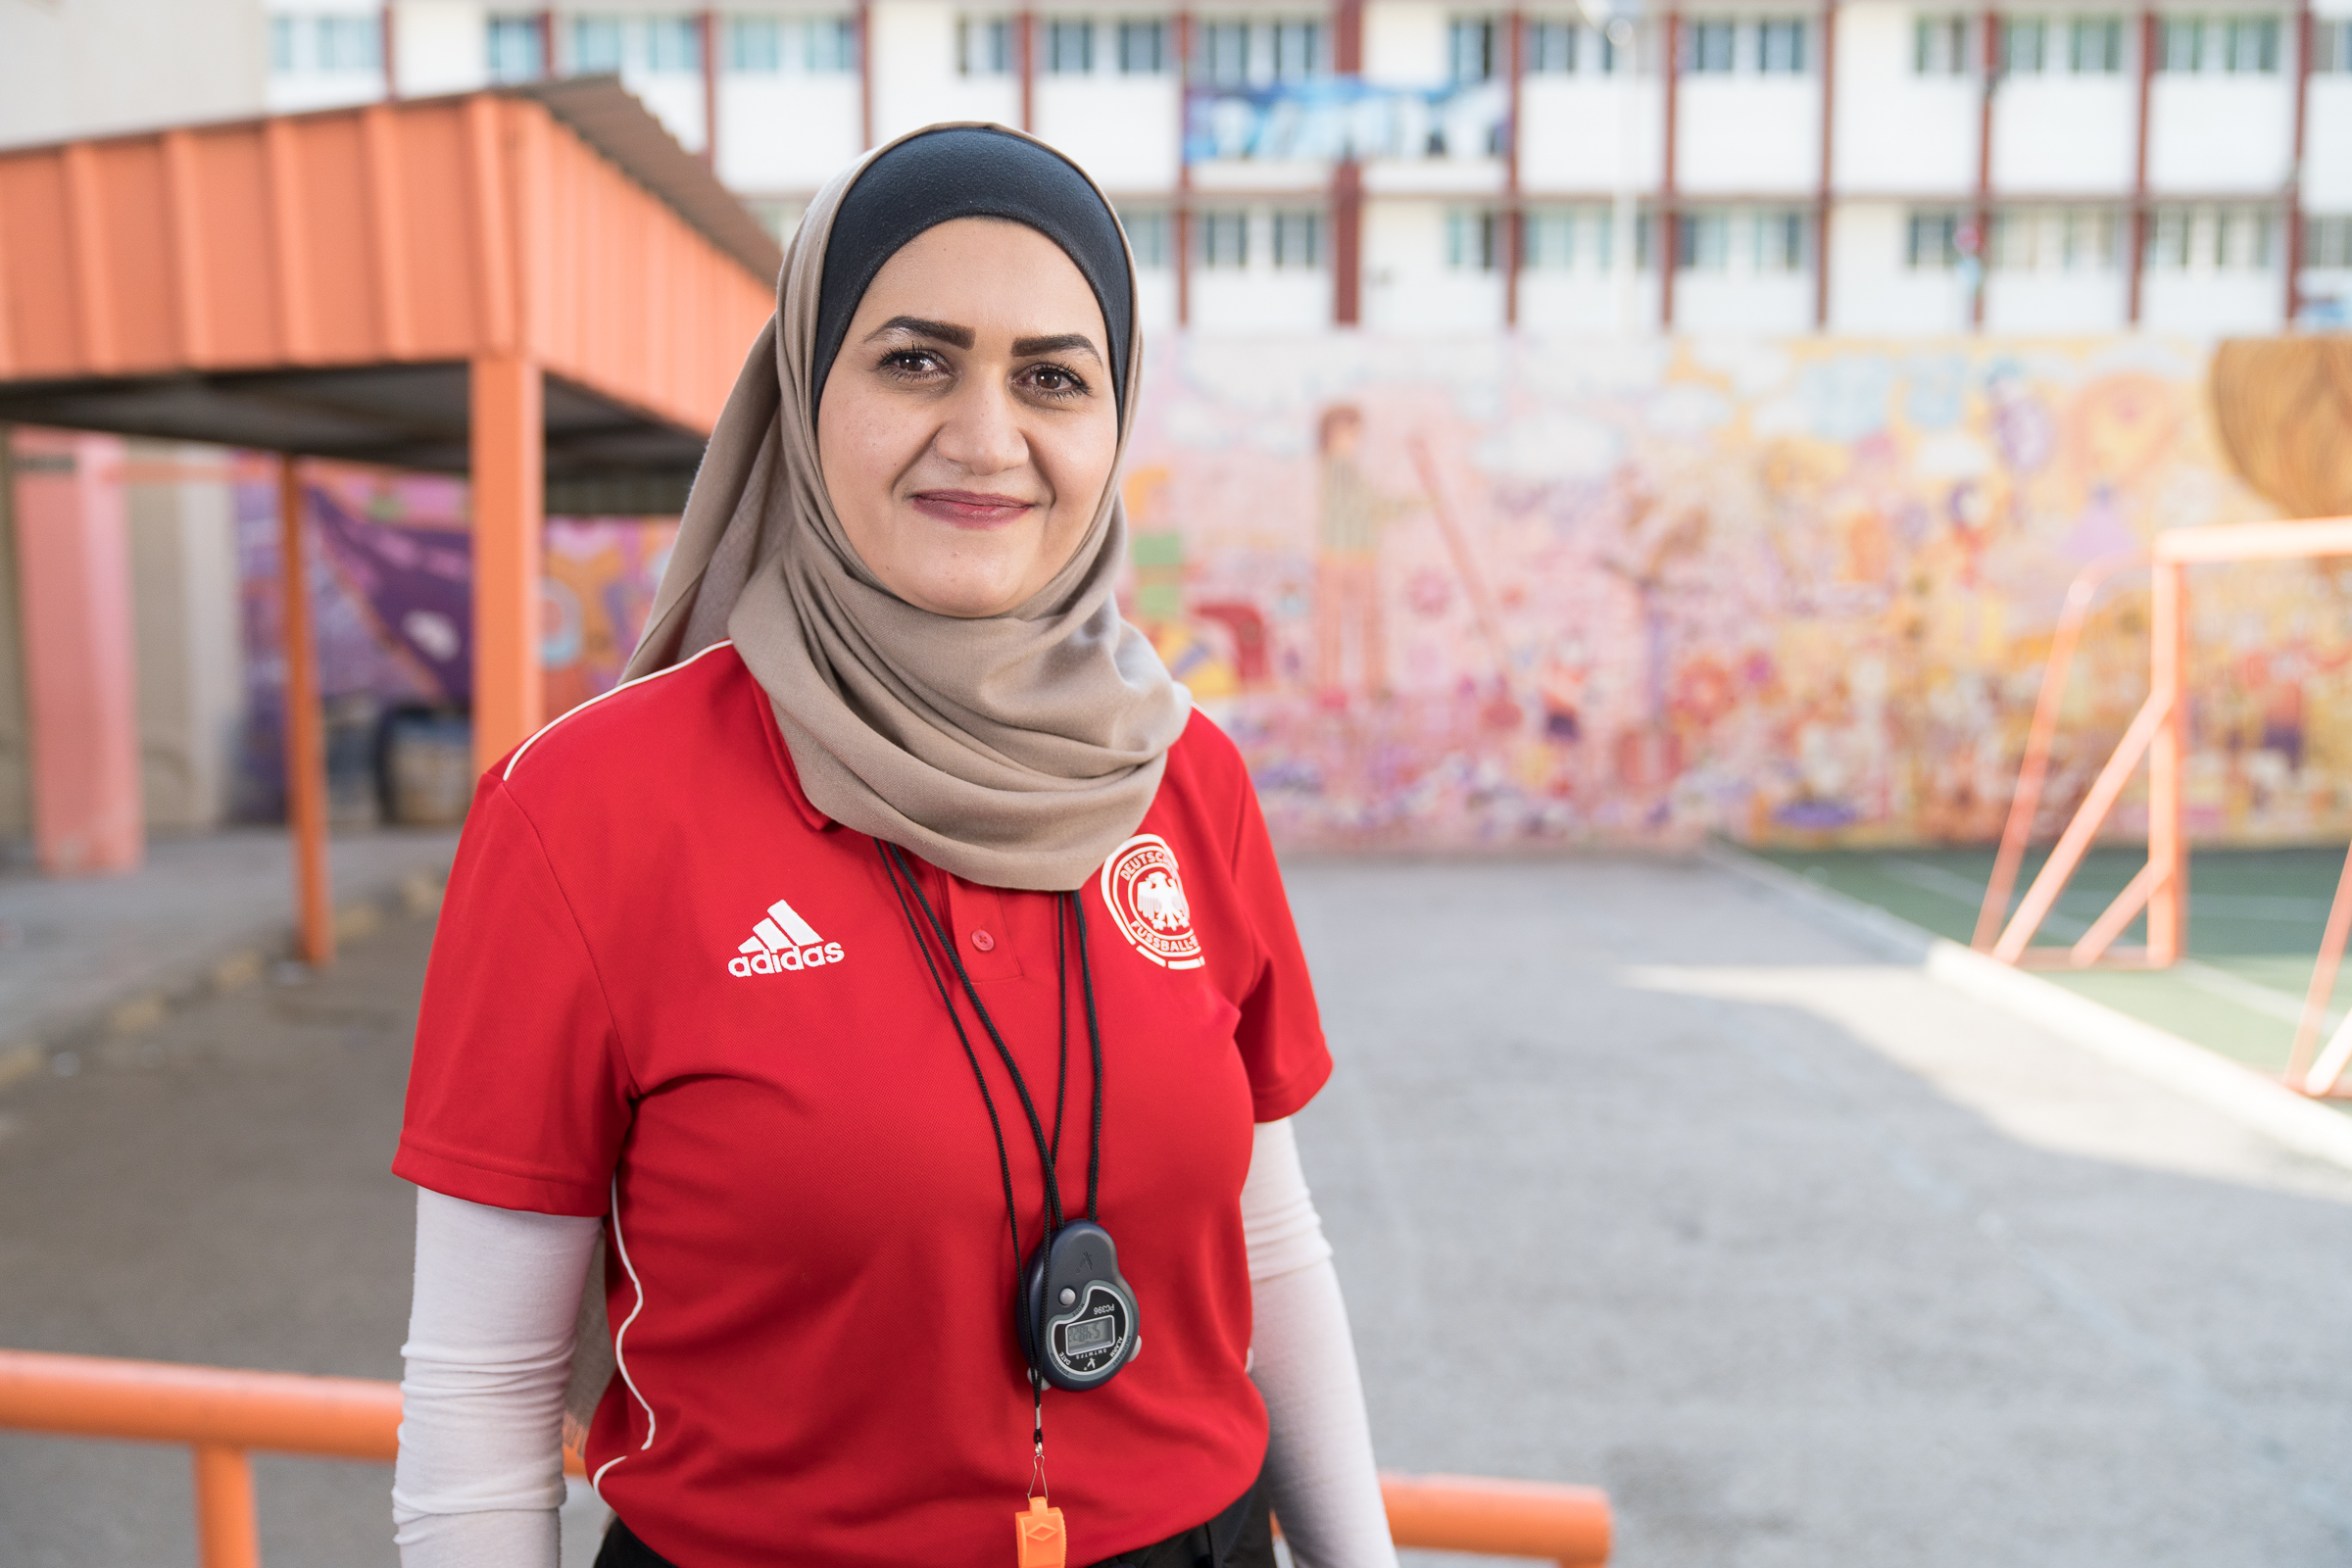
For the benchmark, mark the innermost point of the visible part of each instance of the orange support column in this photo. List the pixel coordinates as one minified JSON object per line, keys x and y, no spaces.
{"x":228,"y":1534}
{"x":2168,"y":837}
{"x":305,"y":737}
{"x":81,"y":669}
{"x":508,"y":503}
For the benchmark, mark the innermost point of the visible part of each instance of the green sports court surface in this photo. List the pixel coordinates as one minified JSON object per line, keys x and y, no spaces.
{"x":2255,"y":918}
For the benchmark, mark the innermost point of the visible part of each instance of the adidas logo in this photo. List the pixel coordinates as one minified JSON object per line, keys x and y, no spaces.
{"x":782,"y":942}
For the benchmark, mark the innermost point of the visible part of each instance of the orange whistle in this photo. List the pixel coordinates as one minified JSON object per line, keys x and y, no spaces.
{"x":1042,"y":1541}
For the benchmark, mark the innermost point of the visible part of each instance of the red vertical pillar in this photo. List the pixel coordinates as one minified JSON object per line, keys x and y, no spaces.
{"x":1672,"y":65}
{"x":2137,"y":263}
{"x":1984,"y":216}
{"x":2294,"y":173}
{"x":1829,"y":161}
{"x":1183,"y":225}
{"x":1025,"y":40}
{"x":865,"y":73}
{"x":707,"y":23}
{"x":1348,"y":180}
{"x":1514,"y":237}
{"x":80,"y":671}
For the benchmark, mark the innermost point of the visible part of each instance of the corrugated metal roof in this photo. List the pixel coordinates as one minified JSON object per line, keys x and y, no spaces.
{"x":611,"y":119}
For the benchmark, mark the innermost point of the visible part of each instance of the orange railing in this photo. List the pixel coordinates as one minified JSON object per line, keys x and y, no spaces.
{"x":222,"y":1415}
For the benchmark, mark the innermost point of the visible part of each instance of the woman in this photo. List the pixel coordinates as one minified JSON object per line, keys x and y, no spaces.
{"x":898,"y":974}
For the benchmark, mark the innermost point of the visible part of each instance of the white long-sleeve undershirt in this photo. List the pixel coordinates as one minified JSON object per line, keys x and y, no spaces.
{"x":491,"y":1335}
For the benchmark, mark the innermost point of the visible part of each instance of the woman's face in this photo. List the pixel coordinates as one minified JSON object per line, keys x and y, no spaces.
{"x":970,"y":421}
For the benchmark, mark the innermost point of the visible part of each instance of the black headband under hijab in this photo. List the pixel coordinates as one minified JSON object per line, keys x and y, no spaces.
{"x":970,"y":172}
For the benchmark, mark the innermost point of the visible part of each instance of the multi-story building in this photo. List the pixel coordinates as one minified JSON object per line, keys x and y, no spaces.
{"x":1403,"y":166}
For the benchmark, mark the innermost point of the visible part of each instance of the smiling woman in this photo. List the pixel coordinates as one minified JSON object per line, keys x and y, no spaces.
{"x":759,"y":972}
{"x":966,"y":442}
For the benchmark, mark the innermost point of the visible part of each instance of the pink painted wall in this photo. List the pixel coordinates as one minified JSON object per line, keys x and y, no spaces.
{"x":80,"y":672}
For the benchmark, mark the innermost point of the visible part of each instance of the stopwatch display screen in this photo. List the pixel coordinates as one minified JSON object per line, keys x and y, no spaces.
{"x":1089,"y":1335}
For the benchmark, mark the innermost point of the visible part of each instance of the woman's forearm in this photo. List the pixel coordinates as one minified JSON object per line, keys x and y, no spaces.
{"x":1320,"y":1467}
{"x":480,"y":1472}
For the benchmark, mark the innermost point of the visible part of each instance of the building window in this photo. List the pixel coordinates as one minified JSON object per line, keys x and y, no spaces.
{"x":1470,"y":49}
{"x":673,"y":44}
{"x":2243,"y":240}
{"x":2095,"y":46}
{"x":282,"y":45}
{"x":756,"y":45}
{"x":1702,"y":242}
{"x":2328,"y":242}
{"x":1776,"y":241}
{"x":1298,"y":237}
{"x":2023,"y":42}
{"x":1561,"y":239}
{"x":2086,"y":239}
{"x":1297,"y":50}
{"x":832,"y":45}
{"x":1070,"y":46}
{"x":1935,"y":242}
{"x":1225,"y":240}
{"x":515,"y":54}
{"x":1939,"y":46}
{"x":595,"y":44}
{"x":1143,"y":48}
{"x":817,"y":46}
{"x":1708,"y":46}
{"x":1552,"y":47}
{"x":2250,"y":44}
{"x":2168,"y":237}
{"x":1781,"y":47}
{"x":1471,"y":240}
{"x":2331,"y":44}
{"x":984,"y":46}
{"x":1148,"y":230}
{"x":1225,"y":53}
{"x":351,"y":43}
{"x":2182,"y":43}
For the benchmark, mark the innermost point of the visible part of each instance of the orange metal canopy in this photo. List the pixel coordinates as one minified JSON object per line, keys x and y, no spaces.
{"x":537,"y":288}
{"x":321,"y":284}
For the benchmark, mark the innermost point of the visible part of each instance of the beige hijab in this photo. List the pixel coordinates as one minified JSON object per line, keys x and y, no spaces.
{"x":1016,"y":751}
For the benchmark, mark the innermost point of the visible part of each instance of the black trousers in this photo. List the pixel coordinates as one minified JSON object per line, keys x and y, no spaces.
{"x":1239,"y":1537}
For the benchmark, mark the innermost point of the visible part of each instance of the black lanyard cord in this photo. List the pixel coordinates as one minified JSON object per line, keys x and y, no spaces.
{"x":1003,"y":1160}
{"x":1094,"y":1039}
{"x":892,"y":855}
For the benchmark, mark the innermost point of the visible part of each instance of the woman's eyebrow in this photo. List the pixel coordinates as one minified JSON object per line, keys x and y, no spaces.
{"x":961,"y":337}
{"x":1057,"y":344}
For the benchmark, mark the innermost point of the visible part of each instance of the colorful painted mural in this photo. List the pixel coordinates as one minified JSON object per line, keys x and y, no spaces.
{"x":1451,"y":594}
{"x":391,"y":586}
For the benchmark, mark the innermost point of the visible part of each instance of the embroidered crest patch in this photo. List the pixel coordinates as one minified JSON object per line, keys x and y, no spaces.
{"x":1145,"y":891}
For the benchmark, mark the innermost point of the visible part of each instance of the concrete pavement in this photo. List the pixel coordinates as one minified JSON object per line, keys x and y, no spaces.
{"x":1635,"y":1177}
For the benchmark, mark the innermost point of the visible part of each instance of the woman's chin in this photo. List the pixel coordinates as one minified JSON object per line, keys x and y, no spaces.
{"x":965,"y":600}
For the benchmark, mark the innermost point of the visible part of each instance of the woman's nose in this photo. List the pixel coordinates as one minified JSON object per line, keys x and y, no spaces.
{"x":982,"y":434}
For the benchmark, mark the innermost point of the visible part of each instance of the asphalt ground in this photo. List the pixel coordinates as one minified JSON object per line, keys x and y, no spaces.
{"x":1634,"y":1178}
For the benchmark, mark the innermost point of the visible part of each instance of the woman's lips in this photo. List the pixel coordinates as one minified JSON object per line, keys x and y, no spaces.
{"x":971,"y":509}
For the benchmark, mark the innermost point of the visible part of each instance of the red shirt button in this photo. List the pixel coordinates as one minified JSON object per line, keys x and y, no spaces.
{"x":983,"y":941}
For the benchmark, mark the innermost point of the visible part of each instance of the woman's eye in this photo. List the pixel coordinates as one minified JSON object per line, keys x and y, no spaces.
{"x":1055,"y":382}
{"x":911,"y":363}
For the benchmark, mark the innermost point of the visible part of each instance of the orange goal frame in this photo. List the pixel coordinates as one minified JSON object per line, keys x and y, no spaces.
{"x":2159,"y":732}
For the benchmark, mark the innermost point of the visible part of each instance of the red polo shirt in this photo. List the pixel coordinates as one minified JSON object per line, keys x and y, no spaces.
{"x":668,"y":990}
